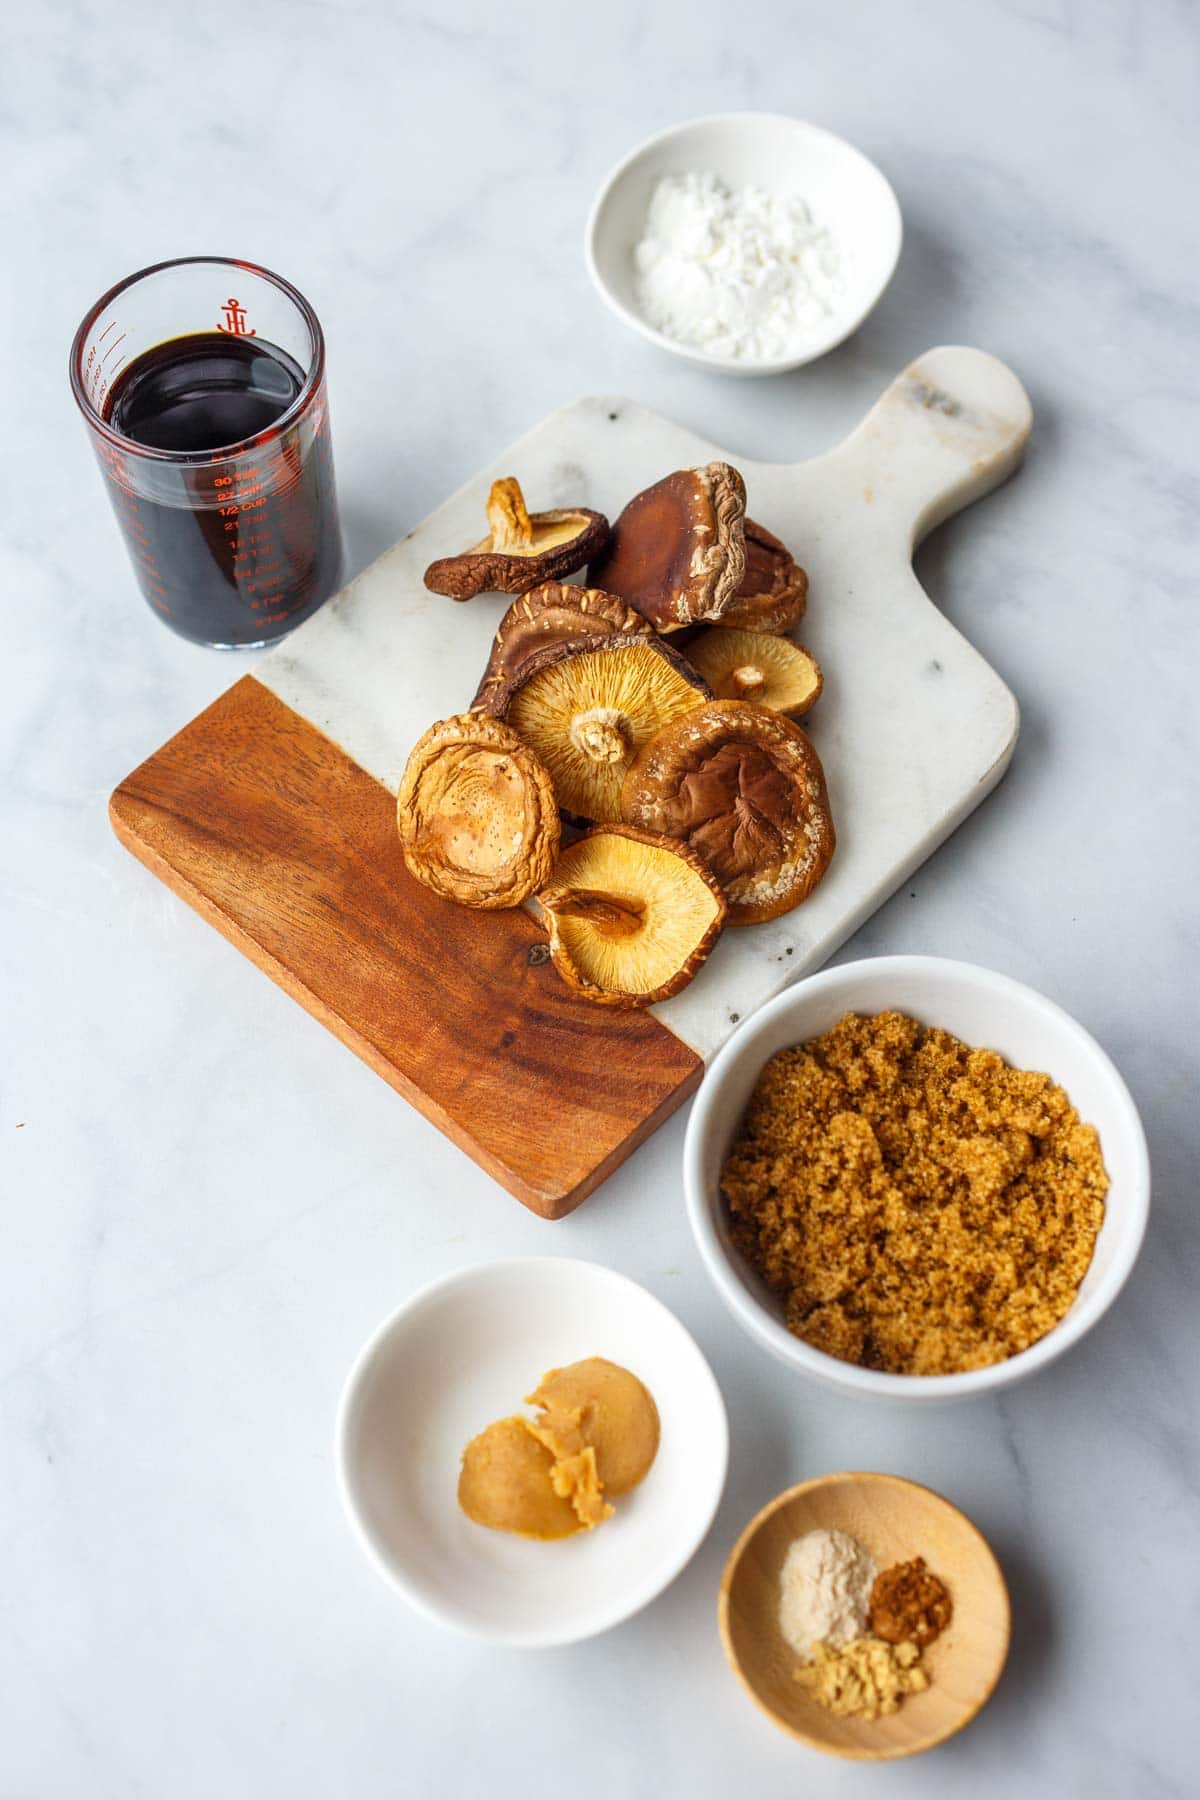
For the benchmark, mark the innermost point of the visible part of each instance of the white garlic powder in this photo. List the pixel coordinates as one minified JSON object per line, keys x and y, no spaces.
{"x":824,"y":1590}
{"x":736,"y":272}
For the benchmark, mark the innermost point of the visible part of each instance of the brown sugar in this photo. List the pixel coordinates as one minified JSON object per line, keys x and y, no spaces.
{"x":920,"y":1206}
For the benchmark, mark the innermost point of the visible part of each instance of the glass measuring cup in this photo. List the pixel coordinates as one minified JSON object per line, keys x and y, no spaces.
{"x":202,"y":384}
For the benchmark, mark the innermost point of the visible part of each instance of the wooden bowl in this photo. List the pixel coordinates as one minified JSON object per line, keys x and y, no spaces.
{"x":895,"y":1520}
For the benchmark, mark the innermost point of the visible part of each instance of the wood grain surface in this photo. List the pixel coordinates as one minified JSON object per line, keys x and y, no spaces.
{"x":277,"y":838}
{"x":894,"y":1520}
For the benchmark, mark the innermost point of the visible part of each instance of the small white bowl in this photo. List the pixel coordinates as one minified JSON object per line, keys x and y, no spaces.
{"x":983,"y":1009}
{"x":464,"y":1351}
{"x":769,"y":150}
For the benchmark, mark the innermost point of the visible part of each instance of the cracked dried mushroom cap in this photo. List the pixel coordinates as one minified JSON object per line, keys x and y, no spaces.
{"x":587,"y":707}
{"x":749,"y":665}
{"x":774,"y":587}
{"x":745,"y":789}
{"x":521,"y":548}
{"x":551,"y":614}
{"x":477,"y":814}
{"x":631,"y":915}
{"x":677,"y":552}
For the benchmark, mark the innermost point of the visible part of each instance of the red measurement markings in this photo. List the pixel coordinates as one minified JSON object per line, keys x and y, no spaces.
{"x":235,"y":316}
{"x":116,"y":469}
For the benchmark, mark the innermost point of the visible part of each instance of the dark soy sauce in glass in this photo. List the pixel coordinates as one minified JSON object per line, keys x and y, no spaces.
{"x":203,"y":392}
{"x":239,"y":539}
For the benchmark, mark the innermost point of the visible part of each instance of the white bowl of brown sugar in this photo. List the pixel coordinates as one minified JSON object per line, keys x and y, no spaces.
{"x":916,"y":1179}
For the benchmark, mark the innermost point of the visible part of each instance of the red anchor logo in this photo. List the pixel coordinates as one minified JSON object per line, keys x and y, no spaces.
{"x":235,"y":312}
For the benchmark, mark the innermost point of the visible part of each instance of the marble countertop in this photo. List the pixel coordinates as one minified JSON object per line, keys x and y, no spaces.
{"x":207,"y":1203}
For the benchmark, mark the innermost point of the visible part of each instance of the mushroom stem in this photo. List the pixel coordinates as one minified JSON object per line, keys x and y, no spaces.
{"x":507,"y":516}
{"x":747,"y":682}
{"x":601,"y":734}
{"x":612,"y":915}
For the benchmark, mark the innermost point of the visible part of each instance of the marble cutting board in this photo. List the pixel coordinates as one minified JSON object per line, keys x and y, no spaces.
{"x":272,"y":813}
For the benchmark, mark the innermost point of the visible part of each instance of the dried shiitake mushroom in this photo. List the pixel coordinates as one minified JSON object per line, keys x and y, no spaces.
{"x":774,"y":587}
{"x":631,"y":915}
{"x":587,"y":707}
{"x":745,"y":789}
{"x":521,"y":548}
{"x":748,"y":665}
{"x":552,"y":614}
{"x":677,"y":552}
{"x":477,"y":814}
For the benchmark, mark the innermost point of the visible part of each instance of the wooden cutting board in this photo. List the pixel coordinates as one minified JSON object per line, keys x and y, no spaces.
{"x":272,"y":813}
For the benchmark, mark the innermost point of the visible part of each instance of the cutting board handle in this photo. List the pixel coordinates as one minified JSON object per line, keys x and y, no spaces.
{"x":947,"y":431}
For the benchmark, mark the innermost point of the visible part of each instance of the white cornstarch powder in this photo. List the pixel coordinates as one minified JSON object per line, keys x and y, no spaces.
{"x":824,"y":1591}
{"x":737,"y":272}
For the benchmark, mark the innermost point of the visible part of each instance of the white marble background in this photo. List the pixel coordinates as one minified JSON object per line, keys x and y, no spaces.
{"x":207,"y":1203}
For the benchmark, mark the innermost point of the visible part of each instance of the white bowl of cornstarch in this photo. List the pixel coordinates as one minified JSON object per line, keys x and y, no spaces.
{"x":747,"y":243}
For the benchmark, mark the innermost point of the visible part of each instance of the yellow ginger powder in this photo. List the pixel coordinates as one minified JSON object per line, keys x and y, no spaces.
{"x":863,"y":1679}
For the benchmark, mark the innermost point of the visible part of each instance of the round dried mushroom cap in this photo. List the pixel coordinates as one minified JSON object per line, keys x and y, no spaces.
{"x":745,"y":789}
{"x":750,"y":665}
{"x":774,"y":587}
{"x":677,"y":552}
{"x":521,"y":548}
{"x":587,"y":707}
{"x":631,"y":915}
{"x":477,"y":814}
{"x":551,"y":614}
